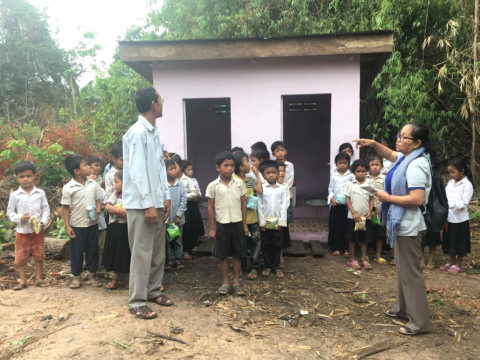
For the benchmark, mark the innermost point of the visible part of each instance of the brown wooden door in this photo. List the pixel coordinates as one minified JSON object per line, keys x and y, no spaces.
{"x":306,"y":132}
{"x":208,"y":132}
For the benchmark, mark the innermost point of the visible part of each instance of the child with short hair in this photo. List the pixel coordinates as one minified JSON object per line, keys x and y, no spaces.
{"x":117,"y":165}
{"x":227,"y":214}
{"x":261,"y":147}
{"x":96,"y":166}
{"x":81,"y":205}
{"x":193,"y":229}
{"x":360,"y":205}
{"x":28,"y":209}
{"x":253,"y":189}
{"x":188,"y":240}
{"x":279,"y":150}
{"x":174,"y":243}
{"x":257,"y":157}
{"x":456,"y":237}
{"x":337,"y":219}
{"x":116,"y":257}
{"x":272,"y":215}
{"x":377,"y":179}
{"x":347,"y":148}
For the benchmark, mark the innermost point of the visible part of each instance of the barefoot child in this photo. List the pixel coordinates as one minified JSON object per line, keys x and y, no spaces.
{"x":227,"y":214}
{"x":272,"y":215}
{"x":80,"y":209}
{"x":337,"y":219}
{"x":456,"y":238}
{"x":117,"y":253}
{"x":360,"y":205}
{"x":253,"y":188}
{"x":28,"y":209}
{"x":173,"y":235}
{"x":377,"y":179}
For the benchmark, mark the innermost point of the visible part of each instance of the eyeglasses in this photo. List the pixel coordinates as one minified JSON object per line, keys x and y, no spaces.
{"x":401,"y":138}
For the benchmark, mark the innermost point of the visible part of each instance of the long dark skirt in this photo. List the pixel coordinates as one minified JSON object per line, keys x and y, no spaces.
{"x":431,"y":238}
{"x":116,"y":256}
{"x":337,"y":224}
{"x":193,"y":227}
{"x":456,"y":239}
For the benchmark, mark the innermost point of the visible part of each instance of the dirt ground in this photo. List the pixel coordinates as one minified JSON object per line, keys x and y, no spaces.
{"x":345,"y":316}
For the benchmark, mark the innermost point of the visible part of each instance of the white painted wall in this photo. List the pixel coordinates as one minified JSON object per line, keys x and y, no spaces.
{"x":255,"y":89}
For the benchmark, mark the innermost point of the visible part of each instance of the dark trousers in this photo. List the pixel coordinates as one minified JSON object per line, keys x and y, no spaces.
{"x":84,"y":242}
{"x":272,"y":244}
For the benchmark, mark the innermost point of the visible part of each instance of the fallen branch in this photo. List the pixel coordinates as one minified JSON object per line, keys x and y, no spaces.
{"x":166,"y":337}
{"x":375,"y":349}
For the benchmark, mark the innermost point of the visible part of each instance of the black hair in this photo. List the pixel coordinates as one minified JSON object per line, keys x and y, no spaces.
{"x":375,"y":157}
{"x":238,"y":158}
{"x":72,"y":162}
{"x":118,"y":174}
{"x":358,"y":163}
{"x":236,"y":149}
{"x":282,"y":164}
{"x":222,"y":156}
{"x":117,"y":150}
{"x":420,"y":132}
{"x":260,"y":155}
{"x":185,"y":164}
{"x":346,"y":146}
{"x":268,"y":164}
{"x":460,"y":165}
{"x":261,"y":146}
{"x":278,"y":144}
{"x":169,"y":162}
{"x":144,"y":97}
{"x":25,"y":166}
{"x":177,"y":159}
{"x":342,"y":156}
{"x":93,"y":159}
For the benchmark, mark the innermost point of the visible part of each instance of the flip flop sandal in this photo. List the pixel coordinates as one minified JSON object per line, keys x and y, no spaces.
{"x":346,"y":254}
{"x":266,"y":272}
{"x":391,"y":314}
{"x":279,"y":273}
{"x":252,"y":275}
{"x":164,"y":301}
{"x":20,"y":287}
{"x":354,"y":265}
{"x":142,"y":312}
{"x":238,"y":290}
{"x":405,"y":330}
{"x":223,"y":290}
{"x":454,"y":269}
{"x":445,"y":267}
{"x":366,"y":265}
{"x":113,"y":285}
{"x":380,"y":261}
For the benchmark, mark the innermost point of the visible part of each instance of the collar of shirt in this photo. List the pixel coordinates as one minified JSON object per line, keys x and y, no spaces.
{"x":345,"y":173}
{"x":20,"y":190}
{"x":142,"y":120}
{"x":234,"y":179}
{"x":460,"y":182}
{"x":74,"y":182}
{"x":379,"y":176}
{"x":272,"y":186}
{"x":355,"y":181}
{"x":174,"y":184}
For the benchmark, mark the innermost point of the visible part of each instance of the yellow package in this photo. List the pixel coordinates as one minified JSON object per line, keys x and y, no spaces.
{"x":37,"y":226}
{"x":271,"y":223}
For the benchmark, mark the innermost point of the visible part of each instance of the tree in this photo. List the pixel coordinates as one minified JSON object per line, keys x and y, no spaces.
{"x":32,"y":66}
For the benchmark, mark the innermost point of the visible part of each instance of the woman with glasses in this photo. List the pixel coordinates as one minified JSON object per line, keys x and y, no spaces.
{"x":407,"y":186}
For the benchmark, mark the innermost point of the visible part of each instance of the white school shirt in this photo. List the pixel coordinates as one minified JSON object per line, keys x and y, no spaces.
{"x":289,"y":176}
{"x":33,"y":204}
{"x":359,"y":197}
{"x":458,"y":196}
{"x":338,"y":183}
{"x":196,"y":185}
{"x":188,"y":185}
{"x":273,"y":203}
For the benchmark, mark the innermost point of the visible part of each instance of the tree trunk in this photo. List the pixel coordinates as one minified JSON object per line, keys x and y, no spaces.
{"x":475,"y":115}
{"x":58,"y":249}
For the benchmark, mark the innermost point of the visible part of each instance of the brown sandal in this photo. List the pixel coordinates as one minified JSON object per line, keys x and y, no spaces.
{"x":142,"y":312}
{"x":20,"y":287}
{"x":161,"y":300}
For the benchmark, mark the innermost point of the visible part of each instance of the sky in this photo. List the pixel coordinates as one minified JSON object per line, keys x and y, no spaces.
{"x":108,"y":19}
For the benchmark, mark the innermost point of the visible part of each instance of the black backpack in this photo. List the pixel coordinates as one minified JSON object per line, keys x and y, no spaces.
{"x":436,"y":211}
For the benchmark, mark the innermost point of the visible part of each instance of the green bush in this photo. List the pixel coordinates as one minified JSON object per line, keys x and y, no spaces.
{"x":7,"y":229}
{"x":48,"y":160}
